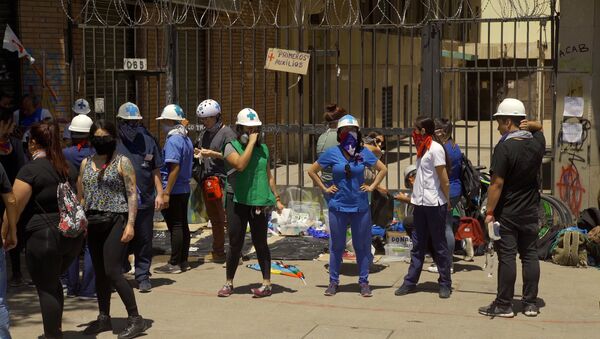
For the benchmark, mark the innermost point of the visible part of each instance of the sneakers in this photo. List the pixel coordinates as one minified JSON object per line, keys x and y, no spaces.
{"x":225,"y":291}
{"x":445,"y":292}
{"x":530,"y":310}
{"x":405,"y":289}
{"x":216,"y":258}
{"x":261,"y":292}
{"x":101,"y":324}
{"x":433,"y":269}
{"x":365,"y":290}
{"x":145,"y":286}
{"x":331,"y":289}
{"x":168,"y":269}
{"x":185,"y":266}
{"x":495,"y":310}
{"x":16,"y":281}
{"x":135,"y":326}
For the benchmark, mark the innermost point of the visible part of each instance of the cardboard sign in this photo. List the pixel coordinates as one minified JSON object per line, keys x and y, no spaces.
{"x":284,"y":60}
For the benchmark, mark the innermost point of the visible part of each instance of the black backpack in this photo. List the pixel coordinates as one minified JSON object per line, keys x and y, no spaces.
{"x":546,"y":237}
{"x":589,"y":218}
{"x":469,"y":178}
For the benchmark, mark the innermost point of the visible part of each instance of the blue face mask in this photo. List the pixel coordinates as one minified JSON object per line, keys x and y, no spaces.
{"x":349,"y":142}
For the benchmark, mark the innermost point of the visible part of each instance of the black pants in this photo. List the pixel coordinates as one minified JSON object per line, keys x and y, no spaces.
{"x":49,"y":254}
{"x":177,"y":222}
{"x":107,"y":251}
{"x":515,"y":238}
{"x":238,"y":216}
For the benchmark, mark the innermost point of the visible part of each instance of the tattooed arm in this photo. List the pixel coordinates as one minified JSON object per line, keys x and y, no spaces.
{"x":128,"y":173}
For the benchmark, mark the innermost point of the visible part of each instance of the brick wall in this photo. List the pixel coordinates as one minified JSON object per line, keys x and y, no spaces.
{"x":42,"y":27}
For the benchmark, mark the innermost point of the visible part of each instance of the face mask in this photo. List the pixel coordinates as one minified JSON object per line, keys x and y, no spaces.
{"x":244,"y":138}
{"x":166,"y":128}
{"x":104,"y":145}
{"x":349,"y":142}
{"x":128,"y":131}
{"x":417,"y":138}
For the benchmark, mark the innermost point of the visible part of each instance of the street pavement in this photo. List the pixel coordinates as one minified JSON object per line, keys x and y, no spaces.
{"x":186,"y":306}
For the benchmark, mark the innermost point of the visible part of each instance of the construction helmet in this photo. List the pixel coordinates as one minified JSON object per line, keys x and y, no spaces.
{"x":347,"y":120}
{"x":248,"y":117}
{"x":129,"y":111}
{"x":208,"y":108}
{"x":510,"y":107}
{"x":81,"y":106}
{"x":172,"y":112}
{"x":409,"y":171}
{"x":81,"y":123}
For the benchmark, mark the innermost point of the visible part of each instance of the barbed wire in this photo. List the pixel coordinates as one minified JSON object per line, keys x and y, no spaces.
{"x":293,"y":13}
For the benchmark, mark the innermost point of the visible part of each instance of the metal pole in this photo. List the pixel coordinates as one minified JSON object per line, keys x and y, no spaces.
{"x":170,"y":42}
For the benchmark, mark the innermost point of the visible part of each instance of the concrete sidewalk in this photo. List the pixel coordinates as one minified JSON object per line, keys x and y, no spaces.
{"x":186,"y":306}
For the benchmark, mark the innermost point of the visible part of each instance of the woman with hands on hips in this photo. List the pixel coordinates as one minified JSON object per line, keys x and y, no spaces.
{"x":348,"y":202}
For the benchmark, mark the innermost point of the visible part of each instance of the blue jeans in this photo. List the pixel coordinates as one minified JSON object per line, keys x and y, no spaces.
{"x":141,"y":244}
{"x":4,"y":319}
{"x":87,"y":286}
{"x":360,"y":223}
{"x":429,"y":221}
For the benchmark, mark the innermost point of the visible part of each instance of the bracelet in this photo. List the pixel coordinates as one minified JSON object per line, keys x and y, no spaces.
{"x":489,"y":213}
{"x":277,"y":198}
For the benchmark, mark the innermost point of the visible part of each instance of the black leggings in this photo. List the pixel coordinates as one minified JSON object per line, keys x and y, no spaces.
{"x":108,"y":252}
{"x":177,"y":223}
{"x":49,"y":254}
{"x":238,"y":216}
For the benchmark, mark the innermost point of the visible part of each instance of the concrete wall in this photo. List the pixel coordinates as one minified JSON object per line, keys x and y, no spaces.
{"x":579,"y":33}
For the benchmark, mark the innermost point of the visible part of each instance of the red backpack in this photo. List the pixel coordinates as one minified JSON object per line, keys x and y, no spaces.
{"x":470,"y":228}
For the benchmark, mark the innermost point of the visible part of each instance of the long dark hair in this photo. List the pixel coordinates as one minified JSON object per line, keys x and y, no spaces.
{"x":429,"y":125}
{"x":45,"y":134}
{"x":333,"y":113}
{"x":112,"y":131}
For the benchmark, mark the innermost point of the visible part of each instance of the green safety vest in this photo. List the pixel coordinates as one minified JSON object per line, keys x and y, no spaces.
{"x":252,"y":184}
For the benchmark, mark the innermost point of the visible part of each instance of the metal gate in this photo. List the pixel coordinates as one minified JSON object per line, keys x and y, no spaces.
{"x":386,"y":62}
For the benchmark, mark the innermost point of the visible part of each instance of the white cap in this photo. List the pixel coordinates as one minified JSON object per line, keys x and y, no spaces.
{"x":248,"y":117}
{"x":129,"y":111}
{"x":208,"y":108}
{"x":81,"y":106}
{"x":408,"y":171}
{"x":347,"y":120}
{"x":172,"y":112}
{"x":510,"y":107}
{"x":81,"y":123}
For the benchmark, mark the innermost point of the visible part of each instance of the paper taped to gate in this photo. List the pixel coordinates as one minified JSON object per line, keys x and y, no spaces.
{"x":290,"y":61}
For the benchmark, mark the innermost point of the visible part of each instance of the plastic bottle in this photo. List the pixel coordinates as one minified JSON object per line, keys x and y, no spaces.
{"x":494,"y":230}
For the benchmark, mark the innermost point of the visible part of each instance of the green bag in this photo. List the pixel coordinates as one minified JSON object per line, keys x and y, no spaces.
{"x":570,"y":249}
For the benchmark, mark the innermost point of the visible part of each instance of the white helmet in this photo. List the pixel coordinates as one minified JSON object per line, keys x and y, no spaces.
{"x":408,"y":172}
{"x":510,"y":107}
{"x":129,"y":111}
{"x":81,"y":106}
{"x":248,"y":117}
{"x":347,"y":120}
{"x":208,"y":108}
{"x":81,"y":123}
{"x":172,"y":112}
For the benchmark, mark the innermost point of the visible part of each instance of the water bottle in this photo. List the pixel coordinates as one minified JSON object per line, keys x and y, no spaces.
{"x":494,"y":230}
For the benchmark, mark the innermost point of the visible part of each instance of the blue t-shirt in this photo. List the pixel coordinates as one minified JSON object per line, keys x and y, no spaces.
{"x":75,"y":156}
{"x":145,"y":157}
{"x":178,"y":149}
{"x":455,"y":156}
{"x":349,"y":197}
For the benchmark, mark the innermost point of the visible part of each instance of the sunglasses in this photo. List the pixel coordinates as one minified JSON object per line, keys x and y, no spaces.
{"x":348,"y":171}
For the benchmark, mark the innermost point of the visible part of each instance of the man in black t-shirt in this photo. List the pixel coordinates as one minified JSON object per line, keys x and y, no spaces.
{"x":513,"y":201}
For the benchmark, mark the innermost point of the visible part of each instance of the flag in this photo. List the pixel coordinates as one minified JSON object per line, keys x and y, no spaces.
{"x":13,"y":44}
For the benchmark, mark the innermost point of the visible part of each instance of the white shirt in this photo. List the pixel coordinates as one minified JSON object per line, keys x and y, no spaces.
{"x":427,"y":190}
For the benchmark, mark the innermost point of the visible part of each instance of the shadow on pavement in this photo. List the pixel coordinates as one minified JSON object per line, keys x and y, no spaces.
{"x":118,"y":325}
{"x":351,"y":269}
{"x":466,"y":267}
{"x":245,"y":289}
{"x":354,"y":287}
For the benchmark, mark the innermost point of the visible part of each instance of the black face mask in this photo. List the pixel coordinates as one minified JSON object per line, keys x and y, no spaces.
{"x":104,"y":145}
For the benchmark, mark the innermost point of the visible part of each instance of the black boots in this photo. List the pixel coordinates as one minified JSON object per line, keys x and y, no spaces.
{"x":135,"y":326}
